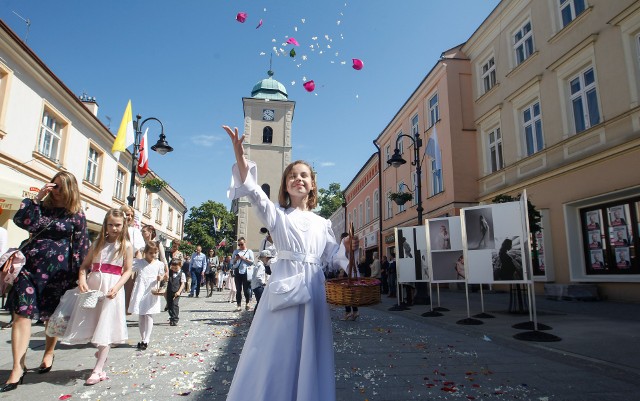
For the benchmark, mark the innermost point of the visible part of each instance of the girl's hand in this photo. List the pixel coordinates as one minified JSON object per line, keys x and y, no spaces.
{"x":236,"y":140}
{"x":48,"y":187}
{"x":82,"y":286}
{"x":111,"y":294}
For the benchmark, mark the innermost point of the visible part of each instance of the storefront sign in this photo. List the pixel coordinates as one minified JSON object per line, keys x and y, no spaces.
{"x":371,"y":239}
{"x":390,"y":239}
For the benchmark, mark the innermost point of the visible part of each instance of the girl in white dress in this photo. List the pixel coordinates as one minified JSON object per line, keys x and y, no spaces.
{"x":109,"y":260}
{"x":288,"y":353}
{"x":149,"y":272}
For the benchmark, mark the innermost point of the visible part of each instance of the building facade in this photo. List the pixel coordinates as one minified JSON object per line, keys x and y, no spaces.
{"x":268,"y":118}
{"x":45,"y":128}
{"x":555,"y":92}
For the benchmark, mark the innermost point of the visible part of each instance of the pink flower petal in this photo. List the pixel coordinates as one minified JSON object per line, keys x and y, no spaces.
{"x":293,"y":41}
{"x":357,"y":64}
{"x":259,"y":24}
{"x":64,"y":397}
{"x":241,"y":17}
{"x":309,"y":86}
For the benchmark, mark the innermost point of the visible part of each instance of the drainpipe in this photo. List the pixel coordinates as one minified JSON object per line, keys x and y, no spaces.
{"x":380,"y":254}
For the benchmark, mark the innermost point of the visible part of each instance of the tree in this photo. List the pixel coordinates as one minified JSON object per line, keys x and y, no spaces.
{"x":200,"y":228}
{"x":329,"y":200}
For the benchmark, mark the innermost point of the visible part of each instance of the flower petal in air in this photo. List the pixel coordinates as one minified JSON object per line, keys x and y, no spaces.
{"x":309,"y":86}
{"x":259,"y":24}
{"x":241,"y":17}
{"x":357,"y":64}
{"x":293,"y":41}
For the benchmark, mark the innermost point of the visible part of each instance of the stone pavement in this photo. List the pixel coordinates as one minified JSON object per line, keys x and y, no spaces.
{"x":384,"y":355}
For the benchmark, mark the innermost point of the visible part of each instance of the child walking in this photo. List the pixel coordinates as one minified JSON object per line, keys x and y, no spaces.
{"x":175,"y":286}
{"x":296,"y":340}
{"x":149,"y":272}
{"x":109,"y":263}
{"x":231,"y":284}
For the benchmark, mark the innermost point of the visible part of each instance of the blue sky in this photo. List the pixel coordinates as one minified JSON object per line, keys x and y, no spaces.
{"x":189,"y":63}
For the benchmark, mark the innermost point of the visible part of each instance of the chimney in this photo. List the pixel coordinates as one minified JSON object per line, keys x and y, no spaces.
{"x":90,"y":103}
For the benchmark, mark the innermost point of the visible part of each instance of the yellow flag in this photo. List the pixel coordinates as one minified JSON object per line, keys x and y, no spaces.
{"x":126,"y":136}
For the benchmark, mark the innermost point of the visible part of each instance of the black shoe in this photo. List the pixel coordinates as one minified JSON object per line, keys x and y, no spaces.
{"x":139,"y":346}
{"x":143,"y":346}
{"x":190,"y":295}
{"x":12,"y":386}
{"x":46,"y":369}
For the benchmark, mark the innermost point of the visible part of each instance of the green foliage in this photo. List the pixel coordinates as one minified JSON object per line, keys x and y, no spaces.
{"x":199,"y":228}
{"x":329,"y":200}
{"x":153,"y":182}
{"x":401,"y":197}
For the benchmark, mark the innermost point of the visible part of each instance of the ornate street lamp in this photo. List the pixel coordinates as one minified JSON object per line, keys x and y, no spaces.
{"x":162,"y":147}
{"x":396,"y":161}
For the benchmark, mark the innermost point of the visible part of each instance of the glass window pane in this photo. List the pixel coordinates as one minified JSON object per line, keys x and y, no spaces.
{"x":575,"y":86}
{"x":527,"y":115}
{"x":539,"y":144}
{"x":592,"y":104}
{"x":579,"y":6}
{"x":578,"y":115}
{"x":566,"y":16}
{"x":589,"y":77}
{"x":536,"y":109}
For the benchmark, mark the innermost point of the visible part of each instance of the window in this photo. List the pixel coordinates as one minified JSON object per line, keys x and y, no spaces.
{"x":91,"y":175}
{"x":414,"y":126}
{"x":266,"y":188}
{"x":367,"y":211}
{"x":489,"y":75}
{"x":50,"y":137}
{"x":159,"y":212}
{"x":147,"y":203}
{"x":436,"y":178}
{"x":400,"y":142}
{"x":523,"y":43}
{"x":434,"y":110}
{"x":401,"y":185}
{"x":120,"y":183}
{"x":376,"y":203}
{"x":267,"y":135}
{"x":178,"y":224}
{"x":495,"y":150}
{"x":584,"y":100}
{"x":389,"y":206}
{"x":387,"y":154}
{"x":170,"y":219}
{"x":355,"y":217}
{"x":532,"y":125}
{"x":570,"y":9}
{"x":360,"y":216}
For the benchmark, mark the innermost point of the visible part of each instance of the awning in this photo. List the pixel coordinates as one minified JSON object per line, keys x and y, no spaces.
{"x":15,"y":186}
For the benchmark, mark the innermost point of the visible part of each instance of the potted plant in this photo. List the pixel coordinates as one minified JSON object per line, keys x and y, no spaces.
{"x":400,"y":198}
{"x":154,"y":184}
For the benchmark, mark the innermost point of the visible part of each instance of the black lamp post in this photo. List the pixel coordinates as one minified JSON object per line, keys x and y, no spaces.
{"x":161,"y":147}
{"x":396,"y":161}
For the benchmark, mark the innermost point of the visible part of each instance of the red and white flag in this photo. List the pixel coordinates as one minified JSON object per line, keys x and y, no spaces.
{"x":222,"y":243}
{"x":143,"y":157}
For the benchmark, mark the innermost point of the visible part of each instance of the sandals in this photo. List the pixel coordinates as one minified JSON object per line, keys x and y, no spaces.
{"x":347,"y":316}
{"x":95,"y":378}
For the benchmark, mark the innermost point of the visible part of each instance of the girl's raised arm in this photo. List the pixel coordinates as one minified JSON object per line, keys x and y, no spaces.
{"x":85,"y":267}
{"x":236,"y":141}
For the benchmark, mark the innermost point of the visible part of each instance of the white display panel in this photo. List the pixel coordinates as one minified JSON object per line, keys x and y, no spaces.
{"x":411,"y":254}
{"x":445,"y":254}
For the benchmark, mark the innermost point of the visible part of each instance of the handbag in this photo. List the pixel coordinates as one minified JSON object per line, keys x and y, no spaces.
{"x":288,"y":292}
{"x":89,"y":299}
{"x":59,"y":320}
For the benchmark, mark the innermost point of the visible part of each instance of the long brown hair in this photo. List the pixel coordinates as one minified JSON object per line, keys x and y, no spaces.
{"x":283,"y":195}
{"x":69,"y":191}
{"x":123,"y":238}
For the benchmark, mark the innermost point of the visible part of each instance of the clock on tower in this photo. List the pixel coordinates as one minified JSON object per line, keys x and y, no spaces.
{"x":268,"y":115}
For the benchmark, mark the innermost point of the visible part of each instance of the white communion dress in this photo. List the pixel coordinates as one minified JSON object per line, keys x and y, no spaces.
{"x":288,"y":353}
{"x":106,"y":323}
{"x":143,"y":302}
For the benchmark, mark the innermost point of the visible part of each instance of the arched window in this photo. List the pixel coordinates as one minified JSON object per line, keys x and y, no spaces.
{"x":267,"y":135}
{"x":267,"y":190}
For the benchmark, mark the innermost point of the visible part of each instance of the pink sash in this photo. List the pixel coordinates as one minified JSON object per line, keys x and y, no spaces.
{"x":106,"y":268}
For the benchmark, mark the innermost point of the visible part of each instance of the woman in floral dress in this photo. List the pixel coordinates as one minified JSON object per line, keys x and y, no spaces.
{"x":60,"y":242}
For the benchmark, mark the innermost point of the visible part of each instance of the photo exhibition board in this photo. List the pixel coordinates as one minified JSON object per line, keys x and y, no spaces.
{"x":494,"y":244}
{"x":444,"y":245}
{"x":411,"y":254}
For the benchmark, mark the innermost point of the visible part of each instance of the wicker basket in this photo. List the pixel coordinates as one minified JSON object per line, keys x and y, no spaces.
{"x":353,"y":292}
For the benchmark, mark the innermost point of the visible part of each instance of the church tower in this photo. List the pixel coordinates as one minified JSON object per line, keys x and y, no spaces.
{"x":268,"y":115}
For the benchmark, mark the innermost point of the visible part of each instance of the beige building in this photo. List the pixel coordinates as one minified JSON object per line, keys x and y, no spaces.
{"x":268,"y":117}
{"x":45,"y":128}
{"x":438,"y":116}
{"x":556,"y":89}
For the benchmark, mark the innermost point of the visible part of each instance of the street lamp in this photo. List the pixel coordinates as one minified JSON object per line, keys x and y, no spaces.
{"x":161,"y":147}
{"x":396,"y":161}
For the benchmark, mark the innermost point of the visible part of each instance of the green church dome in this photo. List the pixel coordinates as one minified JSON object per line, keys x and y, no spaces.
{"x":270,"y":89}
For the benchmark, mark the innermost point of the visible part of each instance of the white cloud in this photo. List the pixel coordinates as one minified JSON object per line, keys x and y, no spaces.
{"x":205,"y":140}
{"x":327,"y":164}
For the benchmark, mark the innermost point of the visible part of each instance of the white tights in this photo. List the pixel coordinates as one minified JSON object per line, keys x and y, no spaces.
{"x":145,"y":324}
{"x":101,"y":356}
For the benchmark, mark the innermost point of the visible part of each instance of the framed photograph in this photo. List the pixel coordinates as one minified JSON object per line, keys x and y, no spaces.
{"x":597,"y":262}
{"x":439,"y":234}
{"x":479,"y":228}
{"x":617,"y":216}
{"x":594,"y":240}
{"x":507,"y":261}
{"x":593,"y":220}
{"x":622,"y":258}
{"x":619,"y":236}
